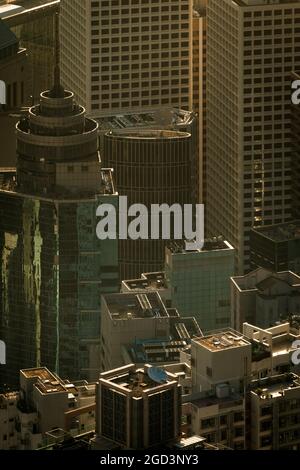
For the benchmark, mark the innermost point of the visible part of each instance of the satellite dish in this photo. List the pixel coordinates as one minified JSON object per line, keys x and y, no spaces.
{"x":157,"y":374}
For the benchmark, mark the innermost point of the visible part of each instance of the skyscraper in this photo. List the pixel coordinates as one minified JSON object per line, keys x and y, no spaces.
{"x":54,"y":268}
{"x":252,"y":47}
{"x":120,"y":56}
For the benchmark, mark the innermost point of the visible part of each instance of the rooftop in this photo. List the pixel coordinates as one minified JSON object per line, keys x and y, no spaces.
{"x":149,"y":134}
{"x":165,"y":350}
{"x":276,"y":386}
{"x":26,"y":10}
{"x":138,"y":380}
{"x":9,"y":9}
{"x":222,"y":340}
{"x":263,"y":281}
{"x":148,"y":281}
{"x":280,"y":232}
{"x":210,"y":244}
{"x":46,"y":381}
{"x":135,"y":306}
{"x":7,"y":37}
{"x":150,"y":119}
{"x":233,"y":400}
{"x":268,"y":3}
{"x":8,"y":183}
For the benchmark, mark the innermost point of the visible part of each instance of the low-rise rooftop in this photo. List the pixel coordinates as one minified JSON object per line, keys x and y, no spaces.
{"x":222,"y":339}
{"x":149,"y":281}
{"x":127,"y":306}
{"x":46,"y":381}
{"x":210,"y":244}
{"x":276,"y":386}
{"x":149,"y":119}
{"x":138,"y":380}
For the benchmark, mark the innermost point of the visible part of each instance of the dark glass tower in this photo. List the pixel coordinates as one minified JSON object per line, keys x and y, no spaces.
{"x":53,"y":267}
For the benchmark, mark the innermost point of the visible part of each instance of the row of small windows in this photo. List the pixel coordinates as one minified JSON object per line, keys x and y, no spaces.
{"x":162,"y":73}
{"x":125,"y":58}
{"x":270,"y":32}
{"x":276,"y":22}
{"x":135,"y":47}
{"x":143,"y":65}
{"x":144,"y":19}
{"x":112,"y":39}
{"x":138,"y":103}
{"x":153,"y":84}
{"x":137,"y":94}
{"x":283,"y":12}
{"x":155,"y":4}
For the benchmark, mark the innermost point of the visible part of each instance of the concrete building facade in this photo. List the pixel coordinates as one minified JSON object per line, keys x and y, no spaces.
{"x":275,"y":413}
{"x":252,"y":47}
{"x":119,"y":57}
{"x":221,"y":371}
{"x":137,"y":326}
{"x":44,"y":406}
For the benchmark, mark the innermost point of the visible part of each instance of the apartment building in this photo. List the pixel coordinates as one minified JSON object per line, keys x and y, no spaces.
{"x":273,"y":348}
{"x":275,"y":413}
{"x":221,"y":370}
{"x":44,"y":407}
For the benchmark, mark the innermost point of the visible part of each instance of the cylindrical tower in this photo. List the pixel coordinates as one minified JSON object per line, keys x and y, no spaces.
{"x":54,"y":143}
{"x":151,"y":167}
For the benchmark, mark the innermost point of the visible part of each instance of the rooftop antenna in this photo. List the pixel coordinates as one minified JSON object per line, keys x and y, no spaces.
{"x":57,"y":91}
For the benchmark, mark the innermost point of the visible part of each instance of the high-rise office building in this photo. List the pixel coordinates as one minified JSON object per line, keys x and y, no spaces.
{"x":54,"y":268}
{"x":120,"y":56}
{"x":295,"y":127}
{"x":138,"y":408}
{"x":151,"y":167}
{"x":252,"y":47}
{"x":199,"y":282}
